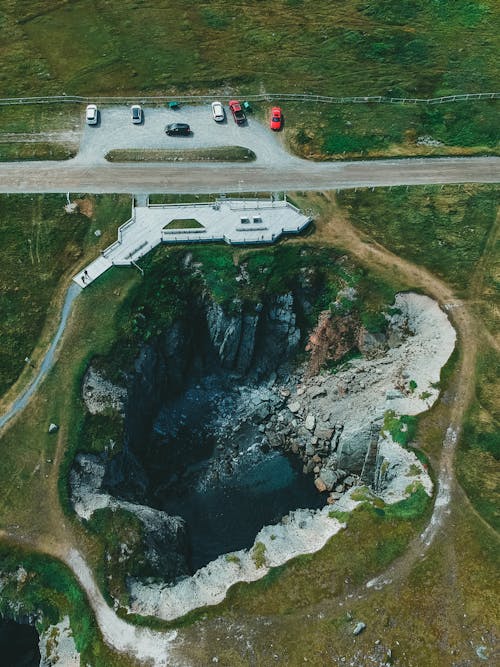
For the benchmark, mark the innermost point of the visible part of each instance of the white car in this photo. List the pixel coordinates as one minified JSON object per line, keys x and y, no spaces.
{"x":136,"y":113}
{"x":218,"y":112}
{"x":91,"y":114}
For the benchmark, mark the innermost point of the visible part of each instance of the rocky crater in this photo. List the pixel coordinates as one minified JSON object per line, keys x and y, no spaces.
{"x":225,"y":432}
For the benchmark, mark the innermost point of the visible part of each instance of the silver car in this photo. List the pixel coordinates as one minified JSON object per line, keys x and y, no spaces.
{"x":91,"y":114}
{"x":218,"y":112}
{"x":136,"y":114}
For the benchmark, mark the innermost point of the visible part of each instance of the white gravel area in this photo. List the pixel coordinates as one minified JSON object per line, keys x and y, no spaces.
{"x":100,"y":395}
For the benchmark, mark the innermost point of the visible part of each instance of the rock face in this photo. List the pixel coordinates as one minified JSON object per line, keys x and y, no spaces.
{"x":165,"y":540}
{"x":101,"y":395}
{"x":210,"y":352}
{"x":333,"y":421}
{"x":260,"y":340}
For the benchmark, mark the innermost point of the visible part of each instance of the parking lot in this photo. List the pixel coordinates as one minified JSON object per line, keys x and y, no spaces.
{"x":115,"y":130}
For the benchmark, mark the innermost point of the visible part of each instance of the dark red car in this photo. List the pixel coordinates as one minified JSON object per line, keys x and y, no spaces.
{"x":276,"y":119}
{"x":237,"y":111}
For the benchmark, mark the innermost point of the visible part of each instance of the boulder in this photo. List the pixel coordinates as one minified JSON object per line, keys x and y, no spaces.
{"x":53,"y":428}
{"x":359,"y":628}
{"x":310,"y":422}
{"x":294,"y":406}
{"x":329,"y":478}
{"x":317,"y":392}
{"x":319,"y":484}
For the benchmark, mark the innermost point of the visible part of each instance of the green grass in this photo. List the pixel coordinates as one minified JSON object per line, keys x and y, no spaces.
{"x":41,"y":243}
{"x":443,"y":228}
{"x":188,"y":223}
{"x":478,"y":461}
{"x":51,"y":591}
{"x":259,"y":554}
{"x":39,"y":150}
{"x":216,"y":154}
{"x":40,"y":117}
{"x":114,"y":528}
{"x":382,"y":130}
{"x":401,"y":429}
{"x":360,"y":49}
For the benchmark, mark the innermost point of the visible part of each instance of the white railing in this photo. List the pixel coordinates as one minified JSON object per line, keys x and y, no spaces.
{"x":264,"y":97}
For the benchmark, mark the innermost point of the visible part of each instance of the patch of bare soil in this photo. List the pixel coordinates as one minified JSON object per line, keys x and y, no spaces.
{"x":86,"y":207}
{"x":332,"y":338}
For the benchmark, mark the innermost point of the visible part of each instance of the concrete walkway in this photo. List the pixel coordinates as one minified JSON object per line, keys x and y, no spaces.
{"x":235,"y":221}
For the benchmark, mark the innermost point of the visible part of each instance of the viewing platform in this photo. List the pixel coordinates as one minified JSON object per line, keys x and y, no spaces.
{"x":234,"y":221}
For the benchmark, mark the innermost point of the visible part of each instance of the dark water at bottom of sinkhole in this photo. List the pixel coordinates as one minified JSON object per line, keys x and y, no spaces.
{"x":227,"y":514}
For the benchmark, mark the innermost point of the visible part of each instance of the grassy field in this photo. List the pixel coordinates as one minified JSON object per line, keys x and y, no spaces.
{"x":393,"y":48}
{"x":41,"y":246}
{"x":216,"y":154}
{"x":382,"y":130}
{"x":443,"y":228}
{"x":40,"y":117}
{"x":478,"y":461}
{"x":440,"y":613}
{"x":40,"y":150}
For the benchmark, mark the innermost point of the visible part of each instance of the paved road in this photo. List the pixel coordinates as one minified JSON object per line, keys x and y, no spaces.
{"x":72,"y":176}
{"x":274,"y":168}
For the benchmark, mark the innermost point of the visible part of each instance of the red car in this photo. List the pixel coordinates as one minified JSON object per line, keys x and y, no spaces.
{"x":237,"y":111}
{"x":276,"y":119}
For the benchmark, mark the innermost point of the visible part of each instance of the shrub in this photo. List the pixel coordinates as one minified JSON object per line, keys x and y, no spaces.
{"x":233,"y":558}
{"x":259,"y":554}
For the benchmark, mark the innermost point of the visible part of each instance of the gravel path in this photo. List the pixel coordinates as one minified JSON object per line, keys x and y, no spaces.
{"x":196,"y":178}
{"x":148,"y":646}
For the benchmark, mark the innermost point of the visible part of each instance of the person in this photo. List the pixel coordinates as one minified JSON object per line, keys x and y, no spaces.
{"x":83,"y":278}
{"x":87,"y":274}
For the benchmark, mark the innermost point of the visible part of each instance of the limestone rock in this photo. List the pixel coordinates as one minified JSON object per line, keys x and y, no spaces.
{"x":319,"y":484}
{"x":310,"y":422}
{"x":329,"y":478}
{"x":359,"y":628}
{"x":317,"y":392}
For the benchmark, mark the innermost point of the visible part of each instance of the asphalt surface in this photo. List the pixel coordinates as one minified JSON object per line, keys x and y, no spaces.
{"x":273,"y":170}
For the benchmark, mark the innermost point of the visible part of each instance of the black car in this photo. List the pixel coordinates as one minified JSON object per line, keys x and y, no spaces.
{"x":177,"y":128}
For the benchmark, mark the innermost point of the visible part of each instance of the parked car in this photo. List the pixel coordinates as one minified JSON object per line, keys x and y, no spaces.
{"x":237,"y":111}
{"x":174,"y":129}
{"x":218,"y":112}
{"x":276,"y":119}
{"x":91,"y":114}
{"x":136,"y":113}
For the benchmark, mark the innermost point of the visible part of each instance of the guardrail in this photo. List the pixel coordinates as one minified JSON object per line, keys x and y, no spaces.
{"x":262,"y":97}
